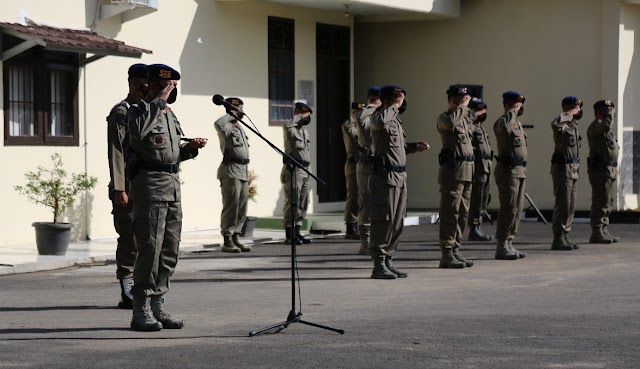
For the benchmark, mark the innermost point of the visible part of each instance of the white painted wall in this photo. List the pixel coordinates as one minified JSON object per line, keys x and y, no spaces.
{"x":231,"y":60}
{"x":545,"y":49}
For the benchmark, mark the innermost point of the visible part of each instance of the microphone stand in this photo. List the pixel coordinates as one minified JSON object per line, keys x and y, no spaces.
{"x":294,"y":315}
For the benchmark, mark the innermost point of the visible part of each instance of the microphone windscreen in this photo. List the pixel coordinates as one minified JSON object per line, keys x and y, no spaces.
{"x":217,"y":99}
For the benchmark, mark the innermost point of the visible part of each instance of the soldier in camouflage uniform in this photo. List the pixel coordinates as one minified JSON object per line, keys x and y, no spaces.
{"x":388,"y":181}
{"x":456,"y":174}
{"x":510,"y":174}
{"x":117,"y":152}
{"x":155,"y":139}
{"x":350,"y":137}
{"x":603,"y":170}
{"x":363,"y":124}
{"x":296,"y":144}
{"x":233,"y":174}
{"x":481,"y":178}
{"x":565,"y":164}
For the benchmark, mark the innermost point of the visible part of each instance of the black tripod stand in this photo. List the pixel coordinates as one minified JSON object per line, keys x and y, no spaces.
{"x":294,"y":315}
{"x":292,"y":164}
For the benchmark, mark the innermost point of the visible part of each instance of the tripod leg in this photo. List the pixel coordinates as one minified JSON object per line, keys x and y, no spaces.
{"x":341,"y":331}
{"x":536,"y":208}
{"x":280,"y":326}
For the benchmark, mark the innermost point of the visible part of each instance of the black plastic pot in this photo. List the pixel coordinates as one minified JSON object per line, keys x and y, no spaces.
{"x":52,"y":238}
{"x":248,"y":227}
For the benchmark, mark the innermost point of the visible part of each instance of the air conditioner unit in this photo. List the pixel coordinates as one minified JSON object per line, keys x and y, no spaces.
{"x":141,"y":3}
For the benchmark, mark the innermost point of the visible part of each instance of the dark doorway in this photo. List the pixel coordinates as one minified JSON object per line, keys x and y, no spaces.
{"x":333,"y":46}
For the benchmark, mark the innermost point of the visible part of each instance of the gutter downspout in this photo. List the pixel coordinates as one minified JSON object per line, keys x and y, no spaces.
{"x":86,"y":151}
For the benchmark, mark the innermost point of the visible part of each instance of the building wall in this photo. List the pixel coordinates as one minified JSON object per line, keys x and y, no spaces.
{"x":545,"y":49}
{"x":219,"y":48}
{"x":629,"y":88}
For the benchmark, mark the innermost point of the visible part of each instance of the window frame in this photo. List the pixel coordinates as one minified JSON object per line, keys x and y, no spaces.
{"x":278,"y":54}
{"x":43,"y":62}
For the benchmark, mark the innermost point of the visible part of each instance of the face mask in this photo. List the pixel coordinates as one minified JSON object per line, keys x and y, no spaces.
{"x":403,"y":107}
{"x":305,"y":121}
{"x":482,"y":118}
{"x":143,"y":88}
{"x":172,"y":96}
{"x":521,"y":111}
{"x":578,"y":116}
{"x":238,"y":114}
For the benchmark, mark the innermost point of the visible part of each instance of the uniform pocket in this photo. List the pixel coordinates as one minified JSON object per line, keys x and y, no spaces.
{"x":518,"y":141}
{"x":394,"y":140}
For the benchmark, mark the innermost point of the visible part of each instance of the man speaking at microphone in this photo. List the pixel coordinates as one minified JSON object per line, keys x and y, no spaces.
{"x":154,"y":136}
{"x":233,"y":174}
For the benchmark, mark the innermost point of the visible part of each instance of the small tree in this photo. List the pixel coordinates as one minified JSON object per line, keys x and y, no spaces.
{"x":53,"y":188}
{"x":253,"y":189}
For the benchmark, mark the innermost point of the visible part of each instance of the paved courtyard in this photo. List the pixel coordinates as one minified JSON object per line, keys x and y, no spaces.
{"x":553,"y":309}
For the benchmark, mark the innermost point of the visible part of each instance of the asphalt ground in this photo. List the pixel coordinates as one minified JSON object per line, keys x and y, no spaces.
{"x":553,"y":309}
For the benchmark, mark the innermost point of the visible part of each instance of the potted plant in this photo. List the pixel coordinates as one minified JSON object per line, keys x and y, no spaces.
{"x":56,"y":190}
{"x":250,"y":223}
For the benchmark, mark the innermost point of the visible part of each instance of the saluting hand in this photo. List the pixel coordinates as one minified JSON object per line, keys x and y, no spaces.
{"x":398,"y":100}
{"x":164,"y":94}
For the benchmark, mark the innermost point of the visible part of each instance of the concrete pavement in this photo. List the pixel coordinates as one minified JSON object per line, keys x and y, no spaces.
{"x":573,"y":309}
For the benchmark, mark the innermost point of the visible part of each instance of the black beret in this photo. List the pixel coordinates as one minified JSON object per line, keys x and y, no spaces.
{"x":458,"y":90}
{"x":235,"y":101}
{"x":138,"y":71}
{"x":477,"y":103}
{"x":304,"y":107}
{"x":604,"y":104}
{"x":373,"y":91}
{"x":162,"y":71}
{"x":357,"y":105}
{"x":512,"y":96}
{"x":571,"y":100}
{"x":390,"y":90}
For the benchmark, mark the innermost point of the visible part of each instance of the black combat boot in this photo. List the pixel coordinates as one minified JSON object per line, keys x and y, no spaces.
{"x":574,"y":245}
{"x":521,"y":255}
{"x":352,"y":231}
{"x":126,"y":299}
{"x":380,"y":270}
{"x":301,"y":238}
{"x":477,"y":234}
{"x":598,"y":236}
{"x":503,"y":252}
{"x":143,"y":319}
{"x":287,"y":231}
{"x":559,"y":243}
{"x":236,"y":241}
{"x":163,"y":316}
{"x":448,"y":261}
{"x":458,"y":256}
{"x":605,"y":230}
{"x":363,"y":231}
{"x":388,"y":262}
{"x":229,"y":246}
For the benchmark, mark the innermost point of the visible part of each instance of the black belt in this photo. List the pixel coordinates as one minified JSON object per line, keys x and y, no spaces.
{"x":229,"y":160}
{"x":302,"y":162}
{"x":513,"y":162}
{"x":466,"y":158}
{"x":353,"y":159}
{"x":484,"y":157}
{"x":159,"y":167}
{"x":396,"y":168}
{"x":562,"y":159}
{"x":597,"y":162}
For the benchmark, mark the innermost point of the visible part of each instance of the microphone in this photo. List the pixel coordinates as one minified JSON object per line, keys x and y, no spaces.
{"x":219,"y":100}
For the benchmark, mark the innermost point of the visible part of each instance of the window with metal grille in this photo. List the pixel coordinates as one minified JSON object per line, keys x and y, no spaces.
{"x":281,"y":70}
{"x":40,"y":99}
